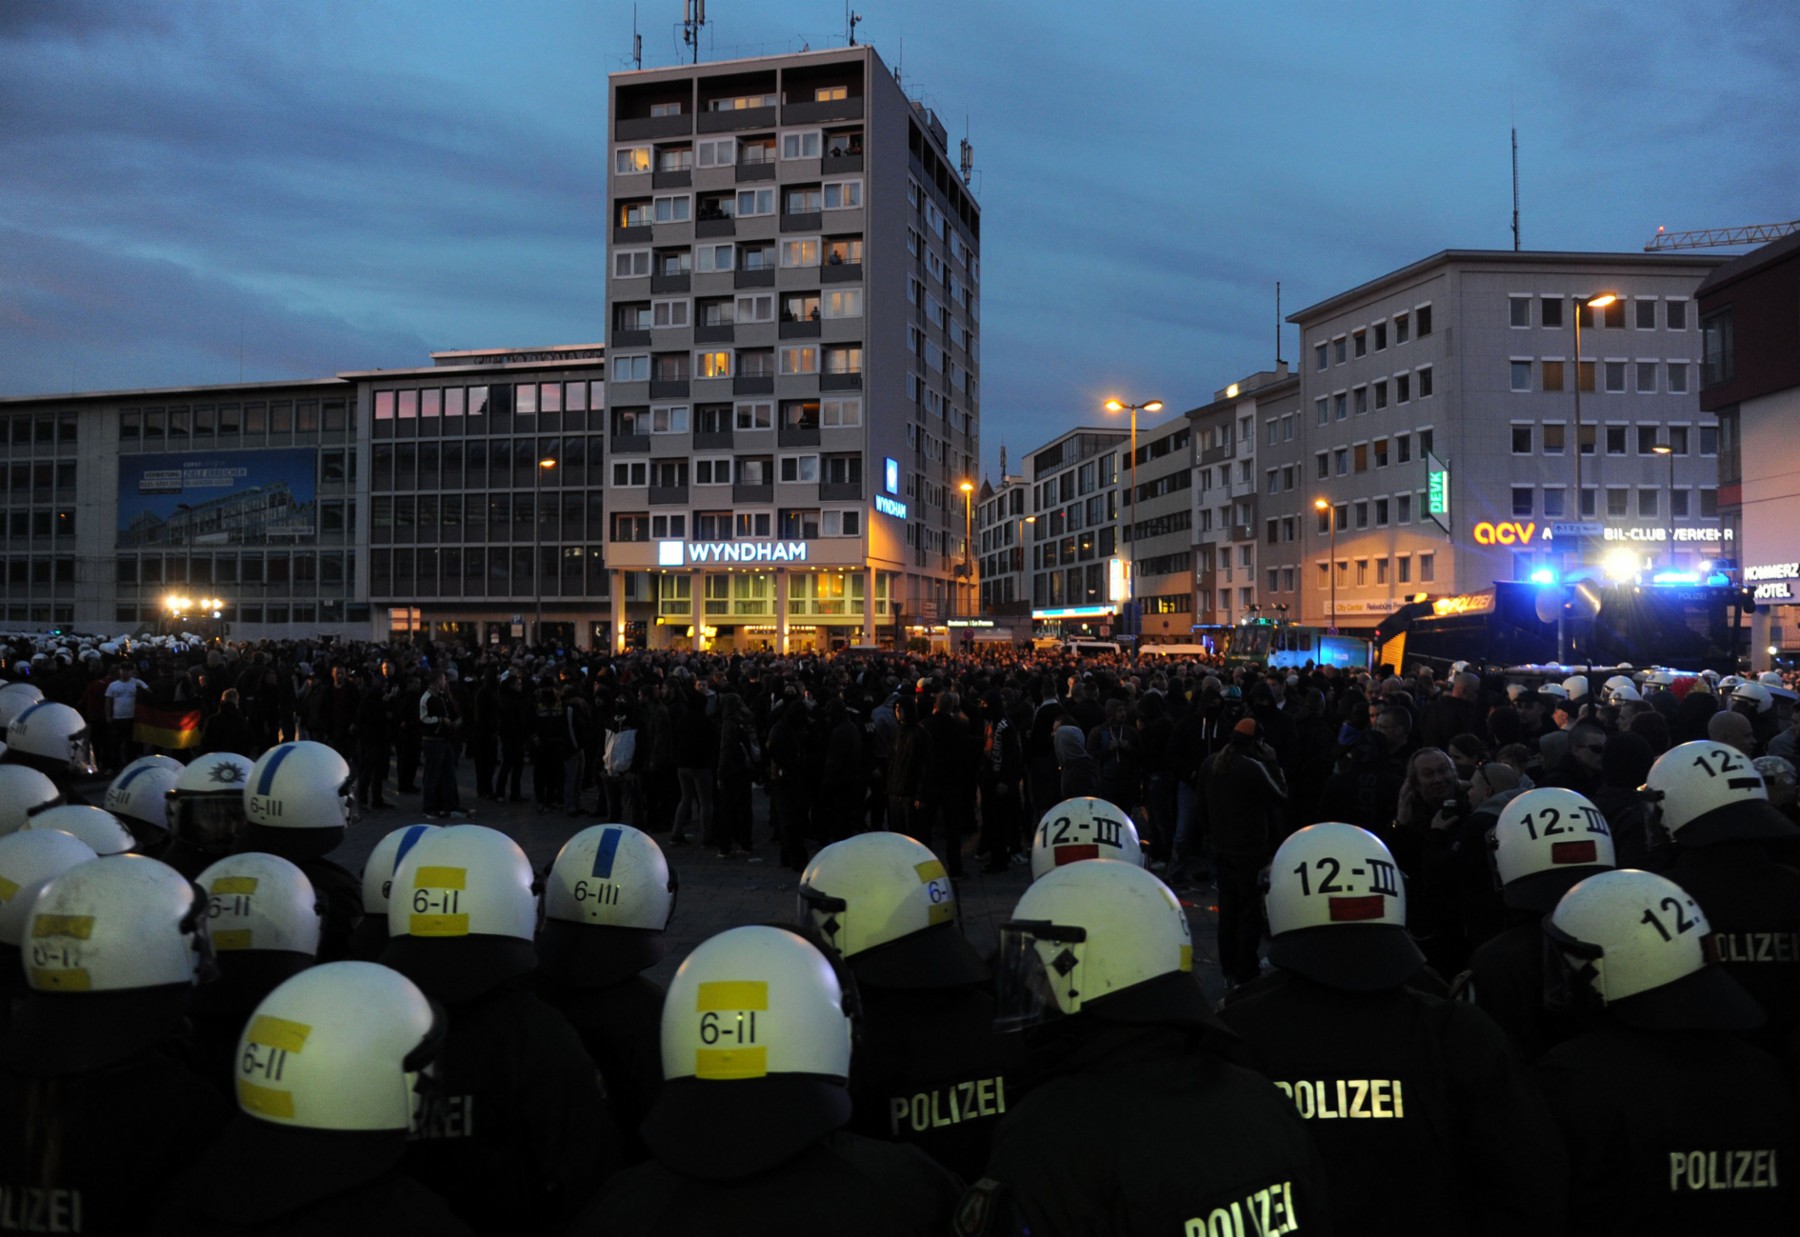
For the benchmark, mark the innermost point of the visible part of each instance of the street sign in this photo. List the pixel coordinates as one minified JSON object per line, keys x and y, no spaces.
{"x":1574,"y":529}
{"x":1437,"y":491}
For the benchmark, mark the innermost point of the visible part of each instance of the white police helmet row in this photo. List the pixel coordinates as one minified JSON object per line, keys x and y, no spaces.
{"x":462,"y":912}
{"x":1544,"y":841}
{"x":1083,"y":828}
{"x":607,"y":902}
{"x":24,"y":791}
{"x":105,"y":833}
{"x":883,"y":903}
{"x":1703,"y":792}
{"x":205,"y":806}
{"x":259,"y":903}
{"x":1336,"y":904}
{"x":27,"y":861}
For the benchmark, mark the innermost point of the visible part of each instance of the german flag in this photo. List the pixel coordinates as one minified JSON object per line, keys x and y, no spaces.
{"x":172,"y":729}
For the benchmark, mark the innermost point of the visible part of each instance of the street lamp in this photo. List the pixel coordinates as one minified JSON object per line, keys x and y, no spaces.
{"x":1324,"y":505}
{"x":1596,"y":302}
{"x":1119,"y":405}
{"x":537,"y":537}
{"x":968,"y":571}
{"x":1668,"y":449}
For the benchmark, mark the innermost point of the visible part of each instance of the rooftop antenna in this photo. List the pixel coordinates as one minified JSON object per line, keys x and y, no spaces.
{"x":968,"y":153}
{"x":1278,"y":361}
{"x":851,"y":19}
{"x":1515,"y":157}
{"x":637,"y":41}
{"x":898,"y":61}
{"x":693,"y":17}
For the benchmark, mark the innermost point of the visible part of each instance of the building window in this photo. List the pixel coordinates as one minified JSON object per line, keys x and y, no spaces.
{"x":1615,"y":440}
{"x":1553,"y":375}
{"x":1403,"y":568}
{"x":1381,"y":337}
{"x":1678,"y":504}
{"x":1427,"y":567}
{"x":712,"y":364}
{"x":1521,"y":375}
{"x":1646,"y":377}
{"x":630,"y":473}
{"x":1402,"y":388}
{"x":1553,"y":503}
{"x":1648,"y":436}
{"x":1709,"y":440}
{"x":1360,"y":400}
{"x":1319,"y":356}
{"x":1323,"y":459}
{"x":1678,"y":315}
{"x":631,"y":159}
{"x":631,"y":264}
{"x":1647,"y":504}
{"x":1521,"y":500}
{"x":674,"y":209}
{"x":1337,"y":349}
{"x":1381,"y":453}
{"x":800,"y":253}
{"x":1678,"y":377}
{"x":673,"y":420}
{"x":754,"y":202}
{"x":1646,"y":313}
{"x":800,"y":144}
{"x":1550,"y":311}
{"x":1424,"y":378}
{"x":1403,"y":509}
{"x":1617,"y":501}
{"x":1323,"y":409}
{"x":1381,"y":395}
{"x":1341,"y":402}
{"x":1521,"y":439}
{"x":1359,"y":343}
{"x":843,"y":194}
{"x":1520,"y":308}
{"x":1615,"y":377}
{"x":1402,"y":328}
{"x":1709,"y":503}
{"x":1719,"y":333}
{"x":1555,"y":438}
{"x":1422,"y":319}
{"x":800,"y":359}
{"x":843,"y":303}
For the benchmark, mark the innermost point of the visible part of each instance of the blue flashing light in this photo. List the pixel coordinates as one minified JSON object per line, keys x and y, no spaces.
{"x":1544,"y":575}
{"x":1675,"y":577}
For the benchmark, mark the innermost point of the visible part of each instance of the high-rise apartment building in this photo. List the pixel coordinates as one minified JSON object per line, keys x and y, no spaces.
{"x":793,"y":396}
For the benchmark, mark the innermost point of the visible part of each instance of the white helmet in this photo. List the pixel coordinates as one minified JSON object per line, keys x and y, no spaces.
{"x":205,"y":806}
{"x":1641,"y":946}
{"x":121,"y":923}
{"x":1083,"y":828}
{"x":1703,"y":792}
{"x":338,"y":1047}
{"x":379,"y":867}
{"x":298,"y":800}
{"x":1725,"y":684}
{"x":756,"y":1032}
{"x":883,"y":903}
{"x":607,"y":900}
{"x":27,"y":860}
{"x":1104,"y":938}
{"x":462,"y":912}
{"x":260,"y":903}
{"x":1660,"y":678}
{"x":139,"y":797}
{"x":24,"y":792}
{"x":1576,"y":685}
{"x":15,"y":698}
{"x":1337,"y":910}
{"x":1754,"y":696}
{"x":105,"y":833}
{"x":1554,"y":689}
{"x":1544,"y":841}
{"x":52,"y":738}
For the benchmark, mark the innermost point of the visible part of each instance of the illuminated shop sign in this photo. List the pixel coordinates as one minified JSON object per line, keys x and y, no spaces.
{"x":1526,"y":532}
{"x":693,"y":553}
{"x":1464,"y":603}
{"x":1074,"y":612}
{"x":1508,"y":532}
{"x":1662,"y":534}
{"x":1773,"y":581}
{"x":892,"y":475}
{"x":890,"y":506}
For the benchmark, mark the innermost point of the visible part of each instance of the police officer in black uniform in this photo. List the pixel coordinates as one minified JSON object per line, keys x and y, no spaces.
{"x":297,"y":806}
{"x":1134,"y":1125}
{"x":608,"y":900}
{"x":1674,"y":1124}
{"x":930,"y":1069}
{"x":97,"y":1112}
{"x":747,"y":1134}
{"x":327,"y":1078}
{"x":1715,"y":808}
{"x":1545,"y":840}
{"x":1427,"y":1122}
{"x":523,"y":1133}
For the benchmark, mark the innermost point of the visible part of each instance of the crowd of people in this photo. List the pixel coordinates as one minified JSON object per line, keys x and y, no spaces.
{"x":1515,"y":952}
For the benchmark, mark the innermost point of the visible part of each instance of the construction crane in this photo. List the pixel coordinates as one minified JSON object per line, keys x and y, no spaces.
{"x":1718,"y":238}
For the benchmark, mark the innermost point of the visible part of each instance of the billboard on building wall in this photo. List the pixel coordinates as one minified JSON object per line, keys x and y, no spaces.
{"x":182,"y":499}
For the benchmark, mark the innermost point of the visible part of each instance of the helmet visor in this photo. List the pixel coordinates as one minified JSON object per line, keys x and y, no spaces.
{"x":81,"y":754}
{"x":209,"y":822}
{"x":821,"y":913}
{"x":1571,"y":971}
{"x":1036,"y":959}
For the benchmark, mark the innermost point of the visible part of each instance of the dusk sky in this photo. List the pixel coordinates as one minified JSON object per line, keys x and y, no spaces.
{"x":193,"y":190}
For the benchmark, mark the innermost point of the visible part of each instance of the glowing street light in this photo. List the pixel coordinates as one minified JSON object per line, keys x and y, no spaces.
{"x":1324,"y":505}
{"x":1115,"y":406}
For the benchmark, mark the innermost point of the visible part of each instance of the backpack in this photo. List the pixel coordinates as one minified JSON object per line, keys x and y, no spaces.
{"x":621,"y":749}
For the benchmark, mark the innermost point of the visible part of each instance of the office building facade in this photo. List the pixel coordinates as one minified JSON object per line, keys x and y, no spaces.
{"x":1438,"y":423}
{"x":793,"y":396}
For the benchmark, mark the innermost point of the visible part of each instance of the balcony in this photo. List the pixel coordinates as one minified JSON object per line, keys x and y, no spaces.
{"x":675,"y":178}
{"x":805,"y":329}
{"x":631,"y":444}
{"x":762,"y":169}
{"x":679,"y":281}
{"x":808,"y":221}
{"x":827,"y":382}
{"x":798,"y":436}
{"x":633,"y":234}
{"x":840,"y":491}
{"x":668,"y":388}
{"x":719,"y":333}
{"x":724,"y":225}
{"x":753,"y":384}
{"x":755,"y":277}
{"x":668,"y":495}
{"x":832,"y":272}
{"x":713,"y":440}
{"x":840,"y":163}
{"x":679,"y":125}
{"x":744,"y":493}
{"x":630,"y":339}
{"x":830,"y":109}
{"x":736,"y":119}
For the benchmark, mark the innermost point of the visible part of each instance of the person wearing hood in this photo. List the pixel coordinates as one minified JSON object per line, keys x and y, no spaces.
{"x":907,"y":770}
{"x":1079,"y":774}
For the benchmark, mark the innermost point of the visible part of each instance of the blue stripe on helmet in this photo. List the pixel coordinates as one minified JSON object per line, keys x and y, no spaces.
{"x":408,"y":840}
{"x":609,"y":847}
{"x":267,"y":779}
